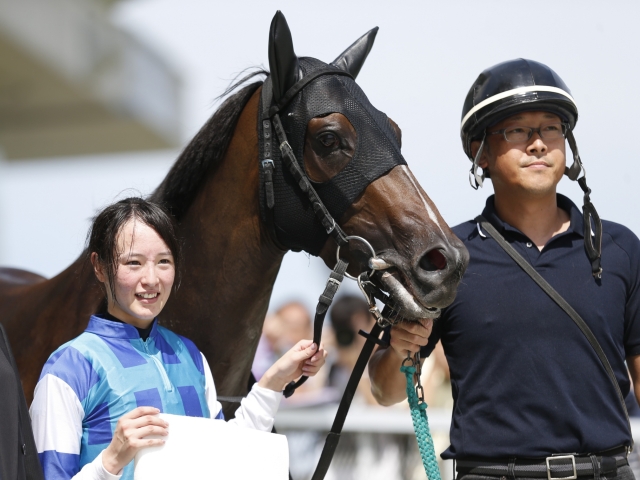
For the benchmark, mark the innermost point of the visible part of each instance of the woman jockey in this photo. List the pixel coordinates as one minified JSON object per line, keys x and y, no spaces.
{"x":98,"y":396}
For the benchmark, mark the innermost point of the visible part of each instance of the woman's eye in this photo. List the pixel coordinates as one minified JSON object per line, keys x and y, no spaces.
{"x":328,"y":140}
{"x":133,"y":262}
{"x":165,"y":261}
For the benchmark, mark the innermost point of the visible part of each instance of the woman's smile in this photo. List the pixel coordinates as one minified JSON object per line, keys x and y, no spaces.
{"x":150,"y":297}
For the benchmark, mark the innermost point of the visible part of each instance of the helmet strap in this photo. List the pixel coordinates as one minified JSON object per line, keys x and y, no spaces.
{"x":573,"y":172}
{"x":476,"y":179}
{"x":592,"y":239}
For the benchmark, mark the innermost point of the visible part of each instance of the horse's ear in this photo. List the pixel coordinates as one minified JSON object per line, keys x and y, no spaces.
{"x":283,"y":62}
{"x":352,"y":59}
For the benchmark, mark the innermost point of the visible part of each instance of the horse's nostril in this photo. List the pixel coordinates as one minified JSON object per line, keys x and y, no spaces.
{"x":433,"y":260}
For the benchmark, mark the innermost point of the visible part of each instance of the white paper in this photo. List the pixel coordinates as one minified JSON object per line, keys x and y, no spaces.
{"x":203,"y":448}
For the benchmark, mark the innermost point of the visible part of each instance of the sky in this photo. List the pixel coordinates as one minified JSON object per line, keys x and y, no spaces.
{"x":425,"y":58}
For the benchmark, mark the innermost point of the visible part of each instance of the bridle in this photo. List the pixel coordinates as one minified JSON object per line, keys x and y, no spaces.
{"x":272,"y":130}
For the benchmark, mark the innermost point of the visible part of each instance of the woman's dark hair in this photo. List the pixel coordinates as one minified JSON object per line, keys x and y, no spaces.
{"x":109,"y":222}
{"x":342,"y":313}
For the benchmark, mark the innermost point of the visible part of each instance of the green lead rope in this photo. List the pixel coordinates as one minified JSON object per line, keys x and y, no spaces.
{"x":421,"y":424}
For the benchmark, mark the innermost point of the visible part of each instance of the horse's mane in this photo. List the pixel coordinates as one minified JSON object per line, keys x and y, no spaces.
{"x":206,"y":150}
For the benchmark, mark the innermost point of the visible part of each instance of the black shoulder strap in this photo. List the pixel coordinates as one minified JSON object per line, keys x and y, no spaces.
{"x":556,"y":297}
{"x":32,"y":467}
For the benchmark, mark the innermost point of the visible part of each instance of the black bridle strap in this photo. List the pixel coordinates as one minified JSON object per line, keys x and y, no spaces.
{"x":300,"y":84}
{"x":333,"y":437}
{"x":324,"y":302}
{"x":562,"y":303}
{"x":266,"y":162}
{"x":327,"y":221}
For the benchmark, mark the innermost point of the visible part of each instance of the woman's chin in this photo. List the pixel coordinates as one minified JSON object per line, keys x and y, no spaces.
{"x":140,"y":317}
{"x":146,"y":316}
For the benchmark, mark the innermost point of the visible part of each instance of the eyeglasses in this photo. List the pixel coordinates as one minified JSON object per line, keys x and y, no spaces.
{"x":553,"y":131}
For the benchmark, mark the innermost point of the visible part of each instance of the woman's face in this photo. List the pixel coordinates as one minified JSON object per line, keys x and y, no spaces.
{"x":145,"y":275}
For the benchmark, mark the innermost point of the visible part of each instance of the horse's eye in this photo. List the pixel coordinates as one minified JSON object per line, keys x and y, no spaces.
{"x":328,"y":139}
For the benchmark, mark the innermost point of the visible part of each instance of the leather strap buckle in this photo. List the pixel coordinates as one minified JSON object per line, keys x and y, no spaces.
{"x":562,"y":457}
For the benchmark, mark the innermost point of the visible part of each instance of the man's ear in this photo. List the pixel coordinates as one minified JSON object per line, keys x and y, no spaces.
{"x":97,"y":267}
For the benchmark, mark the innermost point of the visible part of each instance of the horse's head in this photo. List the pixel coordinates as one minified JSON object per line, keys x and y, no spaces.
{"x":351,"y":153}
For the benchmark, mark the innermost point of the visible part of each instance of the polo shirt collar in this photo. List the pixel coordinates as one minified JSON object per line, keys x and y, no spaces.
{"x":109,"y":328}
{"x":575,"y":215}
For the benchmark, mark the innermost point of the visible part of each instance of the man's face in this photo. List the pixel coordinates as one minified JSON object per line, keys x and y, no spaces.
{"x":534,"y":166}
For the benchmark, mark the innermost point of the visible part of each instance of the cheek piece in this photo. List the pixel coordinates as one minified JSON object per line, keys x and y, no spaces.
{"x":287,"y":196}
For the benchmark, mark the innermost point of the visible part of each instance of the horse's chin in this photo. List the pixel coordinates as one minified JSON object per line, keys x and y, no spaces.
{"x":406,"y":304}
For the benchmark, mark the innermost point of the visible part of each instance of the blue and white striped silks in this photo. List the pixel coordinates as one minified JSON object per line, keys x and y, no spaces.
{"x":107,"y":371}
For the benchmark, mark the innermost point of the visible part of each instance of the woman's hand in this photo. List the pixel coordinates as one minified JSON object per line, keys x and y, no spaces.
{"x":303,"y":359}
{"x":129,"y":437}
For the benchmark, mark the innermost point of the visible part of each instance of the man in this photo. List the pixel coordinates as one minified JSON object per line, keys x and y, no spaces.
{"x":527,"y":385}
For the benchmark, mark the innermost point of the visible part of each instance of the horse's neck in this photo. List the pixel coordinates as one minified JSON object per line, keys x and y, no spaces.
{"x":41,"y":317}
{"x":229,"y":264}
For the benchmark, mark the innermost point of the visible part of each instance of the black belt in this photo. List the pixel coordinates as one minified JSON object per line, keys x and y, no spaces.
{"x":556,"y":467}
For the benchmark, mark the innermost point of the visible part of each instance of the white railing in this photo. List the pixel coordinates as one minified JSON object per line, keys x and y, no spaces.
{"x":363,"y":421}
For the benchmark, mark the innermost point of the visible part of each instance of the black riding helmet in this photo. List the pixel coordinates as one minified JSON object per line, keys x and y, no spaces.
{"x":518,"y":86}
{"x":512,"y":87}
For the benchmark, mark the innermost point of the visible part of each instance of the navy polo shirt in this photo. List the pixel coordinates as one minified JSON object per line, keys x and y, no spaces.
{"x":525,"y":380}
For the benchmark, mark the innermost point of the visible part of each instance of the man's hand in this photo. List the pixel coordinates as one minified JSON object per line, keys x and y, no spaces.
{"x":410,"y":336}
{"x":388,"y":384}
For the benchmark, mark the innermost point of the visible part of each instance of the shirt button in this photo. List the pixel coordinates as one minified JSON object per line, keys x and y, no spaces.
{"x":529,"y":244}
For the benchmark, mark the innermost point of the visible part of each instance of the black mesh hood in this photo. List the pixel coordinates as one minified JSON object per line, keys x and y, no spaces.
{"x":377,"y":152}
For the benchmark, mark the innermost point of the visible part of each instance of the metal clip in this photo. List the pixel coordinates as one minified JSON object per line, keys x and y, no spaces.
{"x":376,"y":313}
{"x":373,"y":308}
{"x":408,"y":359}
{"x":420,"y":393}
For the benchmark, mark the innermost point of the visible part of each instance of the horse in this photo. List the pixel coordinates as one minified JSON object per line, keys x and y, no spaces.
{"x":232,"y":250}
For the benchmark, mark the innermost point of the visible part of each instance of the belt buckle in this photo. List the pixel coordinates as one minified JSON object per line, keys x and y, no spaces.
{"x":562,"y":457}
